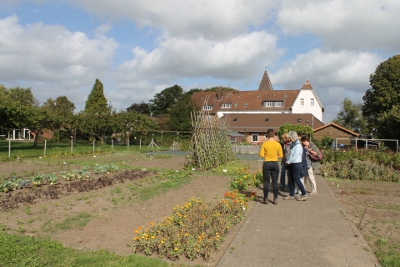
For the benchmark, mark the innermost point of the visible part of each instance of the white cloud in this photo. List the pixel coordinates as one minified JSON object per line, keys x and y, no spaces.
{"x":333,"y":75}
{"x":344,"y":24}
{"x":51,"y":58}
{"x":214,"y":19}
{"x":103,"y":29}
{"x":199,"y":57}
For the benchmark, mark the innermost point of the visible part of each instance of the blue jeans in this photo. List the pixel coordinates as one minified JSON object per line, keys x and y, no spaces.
{"x":294,"y":178}
{"x":270,"y":170}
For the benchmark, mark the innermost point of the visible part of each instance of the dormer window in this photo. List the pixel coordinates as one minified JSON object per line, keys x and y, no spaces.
{"x":207,"y":107}
{"x":226,"y":105}
{"x":278,"y":104}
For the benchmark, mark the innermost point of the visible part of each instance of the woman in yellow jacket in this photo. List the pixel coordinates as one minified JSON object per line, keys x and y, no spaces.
{"x":271,"y":150}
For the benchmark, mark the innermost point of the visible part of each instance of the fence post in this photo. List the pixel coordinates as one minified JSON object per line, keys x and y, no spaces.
{"x":9,"y":145}
{"x":45,"y":146}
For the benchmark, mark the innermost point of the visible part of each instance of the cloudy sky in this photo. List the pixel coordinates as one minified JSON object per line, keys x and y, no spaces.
{"x":137,"y":48}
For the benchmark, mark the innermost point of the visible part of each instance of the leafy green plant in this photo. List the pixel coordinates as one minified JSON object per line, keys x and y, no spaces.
{"x":108,"y":168}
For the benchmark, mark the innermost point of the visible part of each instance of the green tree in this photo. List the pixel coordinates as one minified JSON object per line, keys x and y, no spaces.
{"x":165,"y":100}
{"x":300,"y":129}
{"x":61,"y":110}
{"x":128,"y":122}
{"x":15,"y":104}
{"x":96,"y":100}
{"x":37,"y":119}
{"x":96,"y":119}
{"x":351,"y":118}
{"x":382,"y":100}
{"x":179,"y":117}
{"x":142,"y":108}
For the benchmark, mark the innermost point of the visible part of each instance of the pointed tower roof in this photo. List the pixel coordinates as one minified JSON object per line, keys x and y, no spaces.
{"x":265,"y":84}
{"x":307,"y":85}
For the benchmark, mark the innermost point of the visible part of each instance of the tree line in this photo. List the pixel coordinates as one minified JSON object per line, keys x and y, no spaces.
{"x":169,"y":110}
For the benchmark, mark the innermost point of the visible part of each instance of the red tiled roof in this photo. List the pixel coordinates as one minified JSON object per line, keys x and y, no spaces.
{"x":307,"y":85}
{"x":265,"y":84}
{"x":247,"y":100}
{"x":256,"y":123}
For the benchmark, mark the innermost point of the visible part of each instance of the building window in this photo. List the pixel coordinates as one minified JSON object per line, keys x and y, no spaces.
{"x":225,"y":105}
{"x":312,"y":102}
{"x":298,"y":120}
{"x":235,"y":104}
{"x":266,"y":119}
{"x":301,"y":101}
{"x":245,"y":104}
{"x":207,"y":107}
{"x":269,"y":104}
{"x":234,"y":119}
{"x":278,"y":104}
{"x":254,"y":137}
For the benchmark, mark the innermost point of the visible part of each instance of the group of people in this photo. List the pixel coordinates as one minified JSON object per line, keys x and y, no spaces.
{"x":296,"y":163}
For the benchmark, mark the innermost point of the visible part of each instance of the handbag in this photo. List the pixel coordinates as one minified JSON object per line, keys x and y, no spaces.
{"x":317,"y":157}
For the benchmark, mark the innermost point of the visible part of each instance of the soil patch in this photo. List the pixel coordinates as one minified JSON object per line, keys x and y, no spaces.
{"x":374,"y":207}
{"x":106,"y":218}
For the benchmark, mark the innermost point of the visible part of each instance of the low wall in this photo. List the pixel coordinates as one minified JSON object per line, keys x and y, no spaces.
{"x":246,"y":149}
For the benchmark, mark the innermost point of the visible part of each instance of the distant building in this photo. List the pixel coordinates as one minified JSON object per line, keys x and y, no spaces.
{"x":254,"y":112}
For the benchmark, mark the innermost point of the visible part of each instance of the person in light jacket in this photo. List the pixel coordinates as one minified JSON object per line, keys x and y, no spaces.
{"x":295,"y":165}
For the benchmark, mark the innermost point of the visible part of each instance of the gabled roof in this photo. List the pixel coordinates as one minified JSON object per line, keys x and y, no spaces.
{"x":307,"y":85}
{"x":247,"y":100}
{"x":265,"y":84}
{"x":260,"y":123}
{"x":336,"y":126}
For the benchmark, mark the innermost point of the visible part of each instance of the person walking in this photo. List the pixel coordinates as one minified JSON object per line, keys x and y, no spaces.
{"x":315,"y":165}
{"x":295,"y":164}
{"x":271,"y":150}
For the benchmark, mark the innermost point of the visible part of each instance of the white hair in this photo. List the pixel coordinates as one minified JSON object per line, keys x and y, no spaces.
{"x":293,"y":135}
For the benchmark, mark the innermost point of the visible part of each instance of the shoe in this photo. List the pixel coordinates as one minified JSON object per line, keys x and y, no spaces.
{"x":302,"y":198}
{"x":264,"y":202}
{"x":288,"y":198}
{"x":313,"y":193}
{"x":275,"y":202}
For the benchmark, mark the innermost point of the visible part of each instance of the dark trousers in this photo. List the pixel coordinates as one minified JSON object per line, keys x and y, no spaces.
{"x":283,"y":175}
{"x":270,"y":170}
{"x":294,"y":178}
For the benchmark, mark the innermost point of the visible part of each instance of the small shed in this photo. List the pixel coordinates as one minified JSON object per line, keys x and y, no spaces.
{"x":236,"y":137}
{"x":335,"y":131}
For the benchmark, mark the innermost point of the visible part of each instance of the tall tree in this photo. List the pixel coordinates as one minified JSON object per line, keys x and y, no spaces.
{"x":351,"y":118}
{"x":163,"y":101}
{"x":382,"y":101}
{"x":96,"y":100}
{"x":96,"y":118}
